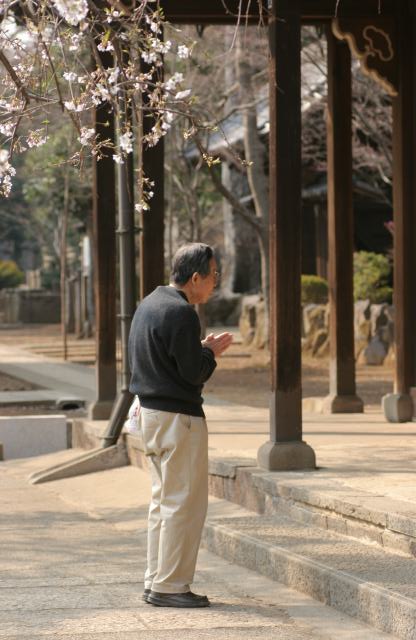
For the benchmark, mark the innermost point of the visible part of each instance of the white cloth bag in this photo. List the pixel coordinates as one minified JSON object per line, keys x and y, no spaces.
{"x":132,"y":424}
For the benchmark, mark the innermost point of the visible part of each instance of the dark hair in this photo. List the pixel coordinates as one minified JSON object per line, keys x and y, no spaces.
{"x":189,"y":259}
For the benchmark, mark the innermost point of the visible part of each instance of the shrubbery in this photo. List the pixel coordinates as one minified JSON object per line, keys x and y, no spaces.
{"x":372,"y":281}
{"x":314,"y":290}
{"x":372,"y":277}
{"x":10,"y":274}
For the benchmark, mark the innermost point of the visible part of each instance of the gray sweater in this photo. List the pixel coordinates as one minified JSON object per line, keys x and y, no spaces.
{"x":168,"y":363}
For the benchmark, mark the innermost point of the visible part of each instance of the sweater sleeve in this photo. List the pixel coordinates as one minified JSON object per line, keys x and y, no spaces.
{"x":194,"y":362}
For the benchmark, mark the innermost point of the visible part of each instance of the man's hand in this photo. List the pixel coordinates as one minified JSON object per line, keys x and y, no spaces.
{"x":218,"y":344}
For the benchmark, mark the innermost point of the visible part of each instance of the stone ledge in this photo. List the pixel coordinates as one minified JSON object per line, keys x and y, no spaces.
{"x":227,"y":468}
{"x":287,"y":556}
{"x":304,"y":496}
{"x":353,"y":513}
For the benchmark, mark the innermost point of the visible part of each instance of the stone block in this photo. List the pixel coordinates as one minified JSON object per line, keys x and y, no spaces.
{"x":402,"y":523}
{"x":87,"y":434}
{"x":364,"y":532}
{"x":286,"y":456}
{"x":223,"y":309}
{"x":245,"y":493}
{"x":397,"y":407}
{"x":337,"y":524}
{"x":399,"y":542}
{"x":27,"y":436}
{"x":308,"y":516}
{"x":356,"y":508}
{"x":374,"y":353}
{"x":342,"y":404}
{"x":343,"y":593}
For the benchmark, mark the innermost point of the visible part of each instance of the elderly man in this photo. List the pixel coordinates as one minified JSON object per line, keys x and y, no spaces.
{"x":169,"y":366}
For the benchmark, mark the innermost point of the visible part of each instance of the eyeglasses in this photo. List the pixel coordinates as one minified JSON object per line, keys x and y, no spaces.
{"x":217,"y":275}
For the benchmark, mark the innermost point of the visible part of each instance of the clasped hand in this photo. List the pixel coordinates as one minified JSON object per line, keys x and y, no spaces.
{"x":218,"y":343}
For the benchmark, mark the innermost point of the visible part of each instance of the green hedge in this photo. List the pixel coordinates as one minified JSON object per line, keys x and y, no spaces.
{"x":372,"y":277}
{"x":314,"y":290}
{"x":10,"y":274}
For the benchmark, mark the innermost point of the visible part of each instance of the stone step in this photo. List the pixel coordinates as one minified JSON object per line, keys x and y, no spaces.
{"x":318,"y":499}
{"x":368,"y":583}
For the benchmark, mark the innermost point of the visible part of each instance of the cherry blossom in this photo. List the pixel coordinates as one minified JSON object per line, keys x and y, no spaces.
{"x":71,"y":55}
{"x":74,"y":11}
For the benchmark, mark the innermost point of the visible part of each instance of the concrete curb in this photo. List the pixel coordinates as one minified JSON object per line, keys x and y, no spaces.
{"x":377,"y":606}
{"x":90,"y":462}
{"x":315,"y":500}
{"x":355,"y":513}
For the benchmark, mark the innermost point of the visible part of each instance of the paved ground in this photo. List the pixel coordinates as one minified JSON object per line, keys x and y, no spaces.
{"x":73,"y":555}
{"x":356,"y":449}
{"x":73,"y":550}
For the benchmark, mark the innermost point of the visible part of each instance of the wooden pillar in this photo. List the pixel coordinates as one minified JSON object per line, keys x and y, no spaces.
{"x":342,"y":393}
{"x":398,"y":406}
{"x":285,"y":449}
{"x":152,"y":246}
{"x":104,"y":257}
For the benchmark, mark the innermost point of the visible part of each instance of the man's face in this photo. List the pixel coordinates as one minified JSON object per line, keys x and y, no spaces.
{"x":205,"y":285}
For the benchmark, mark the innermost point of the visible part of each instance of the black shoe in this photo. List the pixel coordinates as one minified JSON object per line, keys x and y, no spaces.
{"x":181,"y":600}
{"x":145,"y":596}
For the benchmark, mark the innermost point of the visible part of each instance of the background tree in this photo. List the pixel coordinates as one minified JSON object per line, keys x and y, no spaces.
{"x":45,"y":174}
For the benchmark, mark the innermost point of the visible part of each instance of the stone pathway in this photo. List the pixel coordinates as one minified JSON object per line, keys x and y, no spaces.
{"x":73,"y":556}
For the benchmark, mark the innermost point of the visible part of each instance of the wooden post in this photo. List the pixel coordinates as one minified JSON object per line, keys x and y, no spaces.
{"x":152,"y":245}
{"x":104,"y":256}
{"x":342,"y":393}
{"x":285,"y":449}
{"x":398,"y":406}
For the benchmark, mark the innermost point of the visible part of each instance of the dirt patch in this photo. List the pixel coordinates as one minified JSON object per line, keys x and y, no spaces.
{"x":242,"y":375}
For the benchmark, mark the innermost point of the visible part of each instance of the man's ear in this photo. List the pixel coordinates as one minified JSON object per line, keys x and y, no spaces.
{"x":194,"y":277}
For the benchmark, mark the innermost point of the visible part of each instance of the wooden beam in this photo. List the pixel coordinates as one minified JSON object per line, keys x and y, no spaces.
{"x":253,"y":11}
{"x":342,"y":394}
{"x":214,"y":11}
{"x":315,"y":10}
{"x":285,"y":449}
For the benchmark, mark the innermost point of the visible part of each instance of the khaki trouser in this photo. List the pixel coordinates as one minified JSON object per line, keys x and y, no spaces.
{"x":177,"y":446}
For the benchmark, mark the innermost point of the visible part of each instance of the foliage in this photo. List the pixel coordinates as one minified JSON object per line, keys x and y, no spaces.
{"x":372,"y":277}
{"x":50,"y":276}
{"x":314,"y":289}
{"x":10,"y":274}
{"x":15,"y":228}
{"x":44,"y":173}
